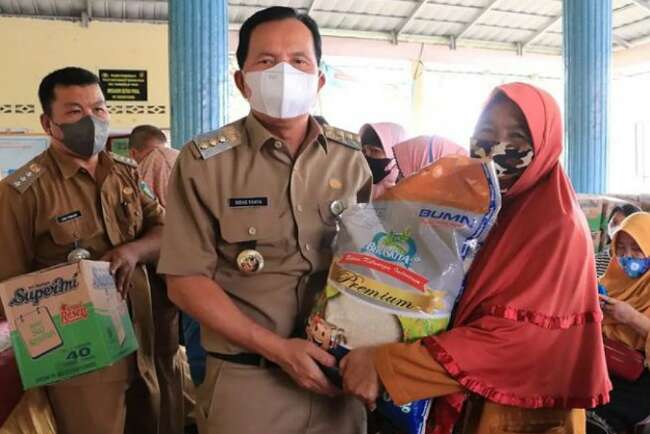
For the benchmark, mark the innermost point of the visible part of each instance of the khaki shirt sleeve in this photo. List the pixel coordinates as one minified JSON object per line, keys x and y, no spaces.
{"x":409,"y":373}
{"x":364,"y":195}
{"x":155,"y":171}
{"x":189,"y":237}
{"x":153,"y":214}
{"x":16,"y":238}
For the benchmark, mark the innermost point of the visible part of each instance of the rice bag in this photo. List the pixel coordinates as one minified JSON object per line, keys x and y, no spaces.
{"x":400,"y":263}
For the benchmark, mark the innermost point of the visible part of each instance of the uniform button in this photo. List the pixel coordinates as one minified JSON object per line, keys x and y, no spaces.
{"x":277,"y":144}
{"x":299,"y":208}
{"x":252,"y":231}
{"x":308,"y":247}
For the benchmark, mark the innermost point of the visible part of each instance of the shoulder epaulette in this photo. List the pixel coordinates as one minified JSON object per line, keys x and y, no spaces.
{"x":216,"y":142}
{"x":24,"y":177}
{"x":345,"y":138}
{"x":124,"y":160}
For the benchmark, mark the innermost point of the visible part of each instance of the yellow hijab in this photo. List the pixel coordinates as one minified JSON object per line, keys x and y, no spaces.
{"x":635,"y":292}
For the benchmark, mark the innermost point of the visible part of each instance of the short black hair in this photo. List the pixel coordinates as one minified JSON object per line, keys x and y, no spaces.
{"x":142,"y":133}
{"x":69,"y":76}
{"x":275,"y":13}
{"x":626,"y":209}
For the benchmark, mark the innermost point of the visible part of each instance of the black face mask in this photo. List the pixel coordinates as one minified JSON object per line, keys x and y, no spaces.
{"x":86,"y":137}
{"x":378,"y":168}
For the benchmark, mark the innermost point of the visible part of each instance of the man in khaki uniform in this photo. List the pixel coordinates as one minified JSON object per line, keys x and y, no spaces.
{"x":251,"y":216}
{"x":147,"y":146}
{"x":77,"y":196}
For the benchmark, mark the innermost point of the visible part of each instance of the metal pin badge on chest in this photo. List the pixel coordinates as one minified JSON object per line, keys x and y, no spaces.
{"x":78,"y":254}
{"x":337,"y":207}
{"x":250,"y":261}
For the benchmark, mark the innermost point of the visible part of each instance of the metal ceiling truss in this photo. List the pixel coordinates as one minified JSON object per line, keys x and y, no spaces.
{"x":621,"y":41}
{"x":399,"y":34}
{"x":545,"y":28}
{"x":643,"y":4}
{"x":416,"y":10}
{"x":476,"y":19}
{"x":312,"y":7}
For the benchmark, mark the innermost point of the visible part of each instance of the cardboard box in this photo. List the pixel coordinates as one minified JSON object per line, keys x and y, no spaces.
{"x":597,"y":209}
{"x":593,"y":208}
{"x":65,"y":321}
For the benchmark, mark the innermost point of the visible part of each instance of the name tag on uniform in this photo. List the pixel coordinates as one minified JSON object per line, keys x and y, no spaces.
{"x":248,"y":202}
{"x":68,"y":217}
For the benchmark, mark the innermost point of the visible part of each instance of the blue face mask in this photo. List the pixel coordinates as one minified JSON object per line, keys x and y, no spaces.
{"x":634,"y":267}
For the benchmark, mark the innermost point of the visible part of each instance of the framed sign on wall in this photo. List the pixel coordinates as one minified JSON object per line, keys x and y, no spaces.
{"x":123,"y":84}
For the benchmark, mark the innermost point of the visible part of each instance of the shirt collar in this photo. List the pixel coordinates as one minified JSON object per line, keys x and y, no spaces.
{"x":258,"y":135}
{"x":150,"y":155}
{"x":315,"y":133}
{"x":68,"y":167}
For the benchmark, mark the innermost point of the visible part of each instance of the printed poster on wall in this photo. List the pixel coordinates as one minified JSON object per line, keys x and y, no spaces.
{"x":16,"y":151}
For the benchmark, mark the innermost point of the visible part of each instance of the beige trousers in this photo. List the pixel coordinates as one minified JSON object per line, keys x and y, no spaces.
{"x":251,"y":400}
{"x":93,"y":403}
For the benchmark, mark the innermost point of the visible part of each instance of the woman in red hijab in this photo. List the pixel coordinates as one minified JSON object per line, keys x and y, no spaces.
{"x":526,"y":341}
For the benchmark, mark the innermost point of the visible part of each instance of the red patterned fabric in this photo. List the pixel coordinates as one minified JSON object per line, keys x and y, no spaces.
{"x":10,"y":387}
{"x":527,"y":331}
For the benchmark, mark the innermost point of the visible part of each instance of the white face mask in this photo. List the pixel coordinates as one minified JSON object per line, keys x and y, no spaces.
{"x":282,"y":92}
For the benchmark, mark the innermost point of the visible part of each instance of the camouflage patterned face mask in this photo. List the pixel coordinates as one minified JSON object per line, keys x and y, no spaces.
{"x":510,"y":160}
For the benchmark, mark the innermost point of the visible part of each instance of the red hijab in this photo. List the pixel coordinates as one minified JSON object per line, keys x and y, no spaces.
{"x":527,"y":330}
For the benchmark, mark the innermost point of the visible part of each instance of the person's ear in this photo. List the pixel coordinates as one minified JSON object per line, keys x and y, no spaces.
{"x":46,"y":123}
{"x":321,"y":80}
{"x":241,"y":83}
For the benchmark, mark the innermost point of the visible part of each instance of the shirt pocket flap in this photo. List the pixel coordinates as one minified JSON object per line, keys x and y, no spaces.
{"x":242,"y":228}
{"x":64,"y":234}
{"x":67,"y":233}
